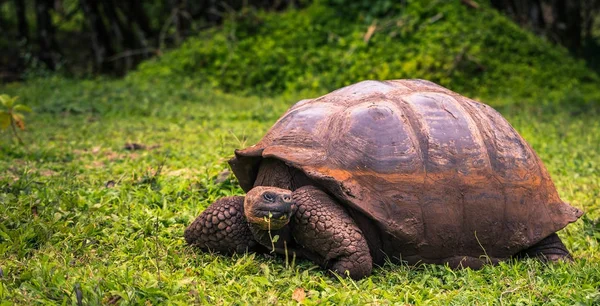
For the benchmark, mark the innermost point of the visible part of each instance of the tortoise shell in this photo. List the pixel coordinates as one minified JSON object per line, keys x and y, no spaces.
{"x":438,"y":174}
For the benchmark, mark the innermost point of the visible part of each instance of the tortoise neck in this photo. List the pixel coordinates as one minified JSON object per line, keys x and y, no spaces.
{"x":274,"y":240}
{"x":274,"y":172}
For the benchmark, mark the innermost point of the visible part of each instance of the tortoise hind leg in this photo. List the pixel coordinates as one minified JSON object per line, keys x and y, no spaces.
{"x":550,"y":248}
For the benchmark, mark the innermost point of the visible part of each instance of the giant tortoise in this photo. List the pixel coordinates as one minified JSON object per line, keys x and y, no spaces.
{"x":404,"y":170}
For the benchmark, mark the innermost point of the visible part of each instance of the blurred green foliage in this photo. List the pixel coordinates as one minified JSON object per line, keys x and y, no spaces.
{"x":476,"y":52}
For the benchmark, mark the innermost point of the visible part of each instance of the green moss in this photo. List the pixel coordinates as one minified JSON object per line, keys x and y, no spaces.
{"x":473,"y":51}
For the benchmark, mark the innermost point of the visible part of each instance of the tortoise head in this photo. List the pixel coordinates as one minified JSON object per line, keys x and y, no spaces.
{"x":269,"y":207}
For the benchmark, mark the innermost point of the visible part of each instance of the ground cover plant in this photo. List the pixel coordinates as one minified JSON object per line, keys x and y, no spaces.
{"x":93,"y":210}
{"x":473,"y":51}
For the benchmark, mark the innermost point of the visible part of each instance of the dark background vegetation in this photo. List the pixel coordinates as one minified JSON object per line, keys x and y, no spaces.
{"x":87,"y":37}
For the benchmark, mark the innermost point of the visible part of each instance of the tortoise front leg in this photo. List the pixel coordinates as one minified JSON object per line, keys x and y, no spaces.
{"x":222,"y":227}
{"x":324,"y":227}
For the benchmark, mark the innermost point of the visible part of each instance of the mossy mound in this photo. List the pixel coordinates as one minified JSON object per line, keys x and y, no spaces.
{"x":476,"y":52}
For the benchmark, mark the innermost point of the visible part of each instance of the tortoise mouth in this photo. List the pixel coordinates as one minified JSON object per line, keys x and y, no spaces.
{"x":273,"y":213}
{"x":269,"y":218}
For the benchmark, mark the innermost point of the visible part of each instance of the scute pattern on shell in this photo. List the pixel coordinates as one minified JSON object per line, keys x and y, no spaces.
{"x":441,"y":174}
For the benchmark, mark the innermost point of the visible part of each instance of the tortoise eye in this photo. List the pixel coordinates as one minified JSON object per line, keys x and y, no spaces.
{"x":269,"y":197}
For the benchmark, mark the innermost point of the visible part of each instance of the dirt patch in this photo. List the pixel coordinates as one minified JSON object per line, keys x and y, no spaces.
{"x":47,"y":172}
{"x":103,"y":156}
{"x":94,"y":150}
{"x":184,"y":173}
{"x":132,"y":146}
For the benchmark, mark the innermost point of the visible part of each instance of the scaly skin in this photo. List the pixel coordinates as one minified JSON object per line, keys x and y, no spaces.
{"x":550,"y":249}
{"x":321,"y":230}
{"x":324,"y":227}
{"x":222,"y":227}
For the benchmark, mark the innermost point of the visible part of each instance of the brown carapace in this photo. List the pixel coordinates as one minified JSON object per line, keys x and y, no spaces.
{"x":429,"y":176}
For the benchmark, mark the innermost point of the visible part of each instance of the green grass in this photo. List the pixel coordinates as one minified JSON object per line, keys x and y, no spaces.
{"x":80,"y":214}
